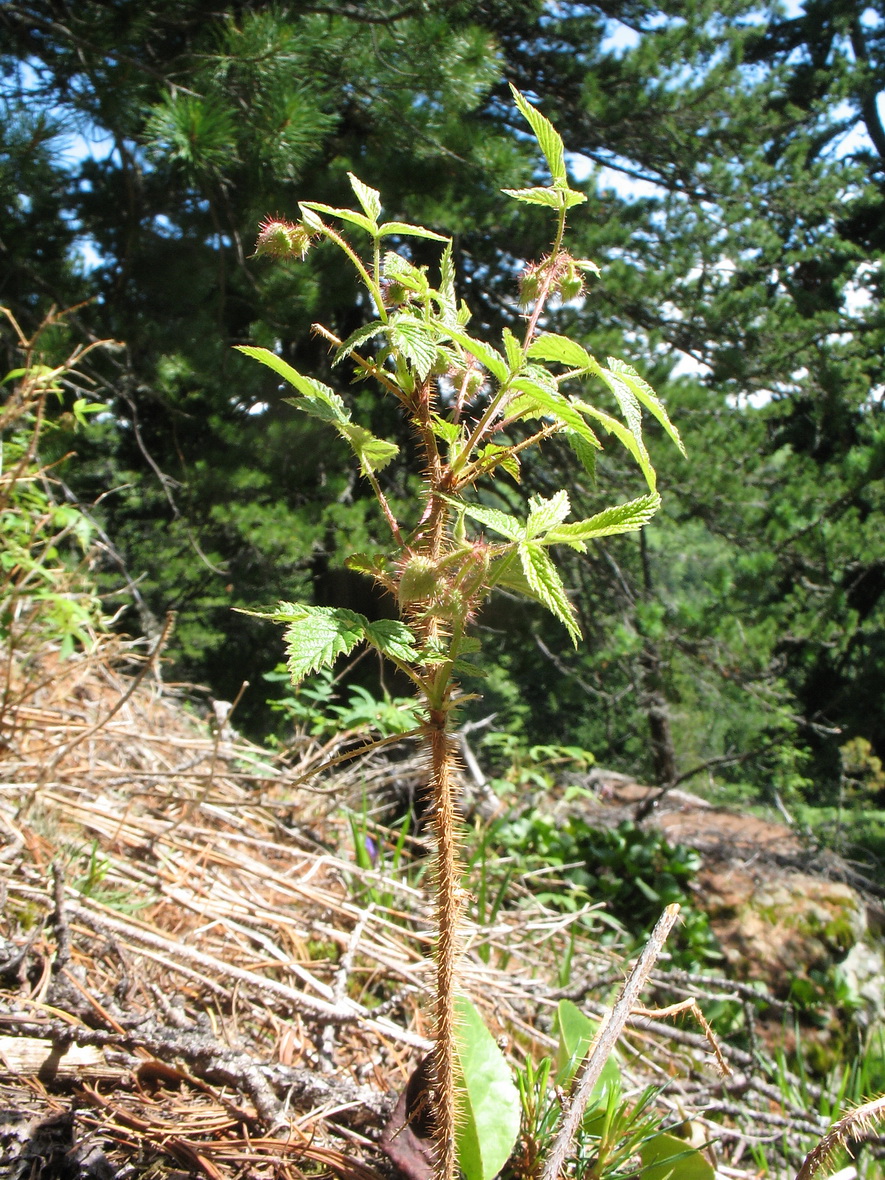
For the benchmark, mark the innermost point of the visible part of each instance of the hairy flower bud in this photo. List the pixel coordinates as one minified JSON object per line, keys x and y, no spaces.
{"x":417,"y":581}
{"x":282,"y":239}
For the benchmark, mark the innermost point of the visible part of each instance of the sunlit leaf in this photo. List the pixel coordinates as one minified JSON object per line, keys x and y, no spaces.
{"x":549,"y":139}
{"x":373,"y":453}
{"x":544,"y":579}
{"x":369,"y":198}
{"x":319,"y":400}
{"x":489,"y":1114}
{"x":623,"y":518}
{"x":317,"y":635}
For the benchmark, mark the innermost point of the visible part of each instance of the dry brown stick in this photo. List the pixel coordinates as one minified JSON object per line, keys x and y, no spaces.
{"x":604,"y":1043}
{"x":345,"y":1012}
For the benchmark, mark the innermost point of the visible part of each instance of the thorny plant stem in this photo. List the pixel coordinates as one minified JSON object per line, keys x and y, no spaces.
{"x":606,"y":1038}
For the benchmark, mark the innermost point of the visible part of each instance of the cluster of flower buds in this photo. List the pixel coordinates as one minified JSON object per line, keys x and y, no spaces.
{"x":563,"y":275}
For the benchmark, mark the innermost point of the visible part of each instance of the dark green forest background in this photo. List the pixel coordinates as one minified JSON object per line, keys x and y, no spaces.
{"x":734,"y":160}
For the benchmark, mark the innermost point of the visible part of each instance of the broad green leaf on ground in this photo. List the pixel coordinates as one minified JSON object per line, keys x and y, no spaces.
{"x":317,"y":635}
{"x":488,"y":1125}
{"x":623,"y":518}
{"x":576,"y":1034}
{"x":544,"y":579}
{"x":665,"y":1157}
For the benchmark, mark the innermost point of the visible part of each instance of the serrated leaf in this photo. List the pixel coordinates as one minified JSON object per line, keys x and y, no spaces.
{"x":507,"y":526}
{"x":349,"y":215}
{"x":483,"y":352}
{"x":583,"y":451}
{"x":447,"y":299}
{"x":588,"y":266}
{"x":355,"y":339}
{"x":551,"y":347}
{"x":366,"y":563}
{"x":546,"y":514}
{"x":317,"y":399}
{"x":400,"y":270}
{"x":317,"y":635}
{"x":415,"y":342}
{"x":393,"y":639}
{"x":502,"y":458}
{"x":623,"y":518}
{"x":647,"y":396}
{"x":535,"y":196}
{"x":543,"y":577}
{"x":513,"y":349}
{"x":537,"y":402}
{"x":373,"y":453}
{"x":549,"y":139}
{"x":449,"y":432}
{"x":489,"y":1106}
{"x":402,"y":228}
{"x":369,"y":198}
{"x":635,"y":446}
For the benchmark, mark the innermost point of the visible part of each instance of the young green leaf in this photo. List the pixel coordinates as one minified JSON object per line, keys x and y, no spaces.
{"x":646,"y":395}
{"x":369,"y":198}
{"x":488,"y":1098}
{"x":551,"y":197}
{"x":349,"y":215}
{"x":483,"y":352}
{"x":513,"y":349}
{"x":549,"y":139}
{"x":403,"y":229}
{"x":317,"y":635}
{"x":414,"y":340}
{"x":356,"y":338}
{"x":373,"y":453}
{"x":507,"y":526}
{"x":538,"y":402}
{"x":546,"y":514}
{"x":634,"y":445}
{"x":623,"y":518}
{"x":393,"y":639}
{"x":317,"y":399}
{"x":551,"y":347}
{"x":546,"y":584}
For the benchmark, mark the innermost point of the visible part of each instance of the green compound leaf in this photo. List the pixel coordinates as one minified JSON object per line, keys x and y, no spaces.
{"x":644,"y":393}
{"x":373,"y":453}
{"x":317,"y":399}
{"x":665,"y":1157}
{"x":551,"y":347}
{"x":576,"y":1034}
{"x":403,"y":229}
{"x":546,"y":514}
{"x":317,"y":635}
{"x":348,"y":215}
{"x":369,"y":198}
{"x":535,"y":196}
{"x":549,"y":139}
{"x":415,"y":341}
{"x":634,"y":445}
{"x":539,"y":402}
{"x":393,"y":639}
{"x":355,"y":339}
{"x":623,"y":518}
{"x":543,"y":577}
{"x":483,"y":352}
{"x":507,"y":526}
{"x":488,"y":1126}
